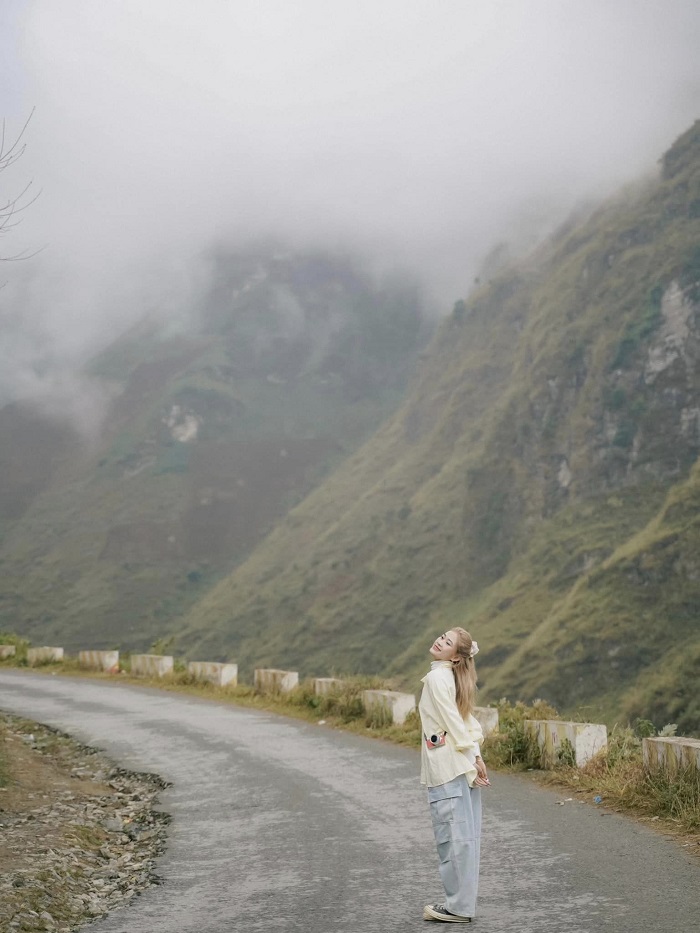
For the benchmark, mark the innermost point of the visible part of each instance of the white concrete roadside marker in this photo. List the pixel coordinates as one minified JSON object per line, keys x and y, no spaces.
{"x":271,"y":680}
{"x":586,"y":739}
{"x":669,"y":753}
{"x":487,"y":717}
{"x":107,"y":661}
{"x":7,"y":651}
{"x":43,"y":655}
{"x":325,"y":685}
{"x":397,"y":705}
{"x":216,"y":672}
{"x":152,"y":665}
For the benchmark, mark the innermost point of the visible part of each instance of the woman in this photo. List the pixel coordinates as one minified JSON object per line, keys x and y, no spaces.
{"x":452,"y":767}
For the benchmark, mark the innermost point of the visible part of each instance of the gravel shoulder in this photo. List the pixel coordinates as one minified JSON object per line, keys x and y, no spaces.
{"x":79,"y":836}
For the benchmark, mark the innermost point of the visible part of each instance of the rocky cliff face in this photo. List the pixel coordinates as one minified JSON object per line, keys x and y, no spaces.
{"x":537,"y":486}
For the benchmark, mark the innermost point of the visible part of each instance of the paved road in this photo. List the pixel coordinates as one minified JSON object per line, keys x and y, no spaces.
{"x":283,"y":826}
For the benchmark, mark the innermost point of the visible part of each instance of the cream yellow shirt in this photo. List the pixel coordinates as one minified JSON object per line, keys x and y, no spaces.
{"x":439,"y":713}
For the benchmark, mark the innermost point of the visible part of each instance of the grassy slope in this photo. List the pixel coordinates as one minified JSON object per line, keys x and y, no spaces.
{"x":105,"y":544}
{"x":536,"y":486}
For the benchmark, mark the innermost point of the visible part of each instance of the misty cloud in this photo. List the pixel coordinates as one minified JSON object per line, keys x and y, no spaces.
{"x":417,"y":134}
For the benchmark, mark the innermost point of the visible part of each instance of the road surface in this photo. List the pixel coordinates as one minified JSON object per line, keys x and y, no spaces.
{"x":280,"y":825}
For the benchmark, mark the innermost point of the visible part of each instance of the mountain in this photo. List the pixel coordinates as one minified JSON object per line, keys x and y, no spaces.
{"x":218,"y":424}
{"x":538,"y":485}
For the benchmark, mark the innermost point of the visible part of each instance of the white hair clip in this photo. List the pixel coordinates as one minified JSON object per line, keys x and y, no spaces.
{"x":475,"y":649}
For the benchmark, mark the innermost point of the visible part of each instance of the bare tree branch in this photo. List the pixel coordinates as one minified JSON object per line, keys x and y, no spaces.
{"x":12,"y":208}
{"x":7,"y":157}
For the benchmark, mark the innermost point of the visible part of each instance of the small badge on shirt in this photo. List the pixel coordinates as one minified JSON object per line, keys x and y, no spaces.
{"x":436,"y":740}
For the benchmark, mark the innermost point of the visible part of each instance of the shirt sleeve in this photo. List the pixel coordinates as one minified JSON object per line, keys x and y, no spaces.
{"x":476,"y":730}
{"x":449,"y":715}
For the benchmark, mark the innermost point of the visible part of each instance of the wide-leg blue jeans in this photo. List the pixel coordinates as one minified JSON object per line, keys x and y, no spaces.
{"x":455,"y":809}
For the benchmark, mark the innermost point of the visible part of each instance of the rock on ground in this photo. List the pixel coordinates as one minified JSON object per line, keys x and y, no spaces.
{"x":78,"y":836}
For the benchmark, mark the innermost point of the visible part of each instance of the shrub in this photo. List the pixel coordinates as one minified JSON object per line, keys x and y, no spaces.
{"x":512,"y":746}
{"x":344,"y":702}
{"x":566,"y":755}
{"x":625,"y":434}
{"x":639,"y":329}
{"x":21,"y":645}
{"x":676,"y":795}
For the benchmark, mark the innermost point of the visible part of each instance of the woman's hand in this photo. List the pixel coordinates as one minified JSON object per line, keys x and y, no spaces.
{"x":482,"y":777}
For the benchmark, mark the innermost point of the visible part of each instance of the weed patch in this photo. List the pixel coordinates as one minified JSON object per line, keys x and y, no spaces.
{"x":618,"y":778}
{"x":513,"y":747}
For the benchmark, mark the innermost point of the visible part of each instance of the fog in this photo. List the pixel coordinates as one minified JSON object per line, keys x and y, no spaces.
{"x":415,"y":133}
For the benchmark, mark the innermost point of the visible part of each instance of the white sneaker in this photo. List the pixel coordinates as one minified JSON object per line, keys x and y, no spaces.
{"x":440,"y":912}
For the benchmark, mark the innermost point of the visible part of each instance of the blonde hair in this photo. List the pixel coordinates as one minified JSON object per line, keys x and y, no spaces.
{"x":464,"y":672}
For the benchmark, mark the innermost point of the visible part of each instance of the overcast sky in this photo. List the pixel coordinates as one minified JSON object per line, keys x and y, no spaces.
{"x":421,"y":131}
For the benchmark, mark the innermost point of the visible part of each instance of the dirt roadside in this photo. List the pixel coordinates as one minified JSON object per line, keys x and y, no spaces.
{"x":78,"y":836}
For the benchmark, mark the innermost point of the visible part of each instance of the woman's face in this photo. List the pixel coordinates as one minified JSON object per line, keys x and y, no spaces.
{"x":444,"y":647}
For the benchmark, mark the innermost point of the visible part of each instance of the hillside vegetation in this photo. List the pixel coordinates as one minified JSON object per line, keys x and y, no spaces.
{"x":218,"y":425}
{"x":538,"y":485}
